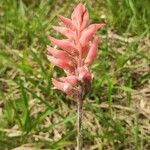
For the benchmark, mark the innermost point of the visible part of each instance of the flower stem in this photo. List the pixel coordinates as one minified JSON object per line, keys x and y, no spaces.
{"x":79,"y":124}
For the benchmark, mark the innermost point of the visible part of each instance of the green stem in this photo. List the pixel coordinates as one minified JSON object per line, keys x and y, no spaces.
{"x":79,"y":124}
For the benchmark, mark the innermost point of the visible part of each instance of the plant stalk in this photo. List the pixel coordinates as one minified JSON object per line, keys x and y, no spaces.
{"x":79,"y":124}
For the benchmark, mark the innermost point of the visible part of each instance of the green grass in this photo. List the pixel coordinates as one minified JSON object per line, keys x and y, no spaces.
{"x":116,"y":113}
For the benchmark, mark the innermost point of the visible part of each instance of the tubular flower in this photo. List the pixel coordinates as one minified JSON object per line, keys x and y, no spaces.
{"x":76,"y":52}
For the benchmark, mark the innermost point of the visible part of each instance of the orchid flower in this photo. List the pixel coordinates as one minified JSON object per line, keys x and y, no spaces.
{"x":75,"y":54}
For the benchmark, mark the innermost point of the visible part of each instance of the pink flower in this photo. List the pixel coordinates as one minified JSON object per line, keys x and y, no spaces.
{"x":78,"y":51}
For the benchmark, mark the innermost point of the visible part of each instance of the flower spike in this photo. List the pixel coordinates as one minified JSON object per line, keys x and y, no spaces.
{"x":77,"y":52}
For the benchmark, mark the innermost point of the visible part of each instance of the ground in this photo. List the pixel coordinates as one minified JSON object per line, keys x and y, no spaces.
{"x":33,"y":115}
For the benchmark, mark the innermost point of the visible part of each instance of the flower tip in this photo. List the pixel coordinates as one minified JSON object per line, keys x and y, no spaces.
{"x":60,"y":17}
{"x":50,"y":58}
{"x":53,"y":26}
{"x":47,"y":46}
{"x":54,"y":81}
{"x":80,"y":5}
{"x":63,"y":19}
{"x":102,"y":25}
{"x":50,"y":37}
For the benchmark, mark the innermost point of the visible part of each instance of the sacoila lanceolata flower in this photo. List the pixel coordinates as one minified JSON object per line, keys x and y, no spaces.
{"x":75,"y":53}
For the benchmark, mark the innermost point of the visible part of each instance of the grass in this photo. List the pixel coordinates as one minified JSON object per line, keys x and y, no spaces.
{"x":116,"y":113}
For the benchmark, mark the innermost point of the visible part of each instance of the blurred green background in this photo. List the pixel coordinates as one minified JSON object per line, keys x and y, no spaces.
{"x":117,"y":111}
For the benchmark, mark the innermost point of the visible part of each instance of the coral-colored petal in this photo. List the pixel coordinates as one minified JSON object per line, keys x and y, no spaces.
{"x":85,"y":50}
{"x":88,"y":33}
{"x":60,"y":63}
{"x":67,"y":22}
{"x":79,"y":15}
{"x":64,"y":31}
{"x":65,"y":87}
{"x":85,"y":20}
{"x":59,"y":54}
{"x":91,"y":56}
{"x":84,"y":74}
{"x":70,"y":79}
{"x":64,"y":44}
